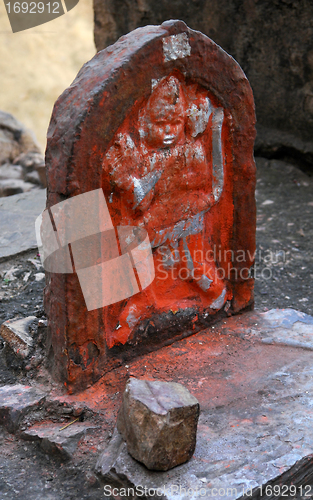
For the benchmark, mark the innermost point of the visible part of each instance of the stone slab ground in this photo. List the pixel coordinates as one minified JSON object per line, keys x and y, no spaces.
{"x":285,"y":234}
{"x":253,"y":378}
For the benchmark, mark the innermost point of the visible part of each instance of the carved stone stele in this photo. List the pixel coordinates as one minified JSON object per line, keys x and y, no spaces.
{"x":162,"y":123}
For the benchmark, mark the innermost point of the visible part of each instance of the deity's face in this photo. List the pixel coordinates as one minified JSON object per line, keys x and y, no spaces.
{"x":164,"y":126}
{"x":163,"y":123}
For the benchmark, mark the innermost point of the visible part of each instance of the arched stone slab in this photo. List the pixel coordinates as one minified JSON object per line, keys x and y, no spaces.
{"x":192,"y":190}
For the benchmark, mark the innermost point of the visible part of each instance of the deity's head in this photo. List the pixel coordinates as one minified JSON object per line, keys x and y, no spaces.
{"x":162,"y":120}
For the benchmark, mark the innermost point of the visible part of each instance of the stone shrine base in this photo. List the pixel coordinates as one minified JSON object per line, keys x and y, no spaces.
{"x":253,"y":377}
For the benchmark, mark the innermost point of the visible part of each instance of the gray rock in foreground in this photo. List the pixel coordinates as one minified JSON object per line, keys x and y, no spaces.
{"x":15,"y":402}
{"x":158,"y":421}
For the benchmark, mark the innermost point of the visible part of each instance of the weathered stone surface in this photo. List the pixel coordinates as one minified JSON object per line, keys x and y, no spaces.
{"x":276,"y":55}
{"x":285,"y":327}
{"x":158,"y":421}
{"x":15,"y":402}
{"x":17,"y":221}
{"x":56,"y":440}
{"x":16,"y":332}
{"x":278,"y":144}
{"x":179,"y":185}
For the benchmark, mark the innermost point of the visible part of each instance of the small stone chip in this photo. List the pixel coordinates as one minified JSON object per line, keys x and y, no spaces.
{"x":16,"y":333}
{"x":158,"y":421}
{"x":39,"y":276}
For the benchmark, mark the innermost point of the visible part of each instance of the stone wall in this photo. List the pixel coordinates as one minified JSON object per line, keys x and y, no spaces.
{"x":271,"y":39}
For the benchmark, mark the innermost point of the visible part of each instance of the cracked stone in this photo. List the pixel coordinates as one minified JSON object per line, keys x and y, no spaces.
{"x":158,"y":421}
{"x":15,"y":402}
{"x":16,"y":332}
{"x":54,"y":439}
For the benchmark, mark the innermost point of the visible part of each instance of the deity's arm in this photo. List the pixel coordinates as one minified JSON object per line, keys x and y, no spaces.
{"x":121,"y":168}
{"x":132,"y":173}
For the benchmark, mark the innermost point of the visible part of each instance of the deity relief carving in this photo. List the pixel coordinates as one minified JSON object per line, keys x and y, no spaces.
{"x":161,"y":125}
{"x":164,"y":171}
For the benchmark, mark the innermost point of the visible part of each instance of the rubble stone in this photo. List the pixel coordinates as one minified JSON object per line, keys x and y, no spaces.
{"x":20,"y":155}
{"x":9,"y":187}
{"x":106,"y":462}
{"x":33,"y":177}
{"x":8,"y":147}
{"x":255,"y":427}
{"x":39,"y":276}
{"x":16,"y":332}
{"x":34,"y":165}
{"x":15,"y":402}
{"x":158,"y":421}
{"x":14,"y":138}
{"x":7,"y":121}
{"x":55,"y":439}
{"x":30,"y":160}
{"x":9,"y":171}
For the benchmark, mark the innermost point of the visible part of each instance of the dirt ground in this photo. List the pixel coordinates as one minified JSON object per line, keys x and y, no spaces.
{"x":283,"y":272}
{"x":284,"y":259}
